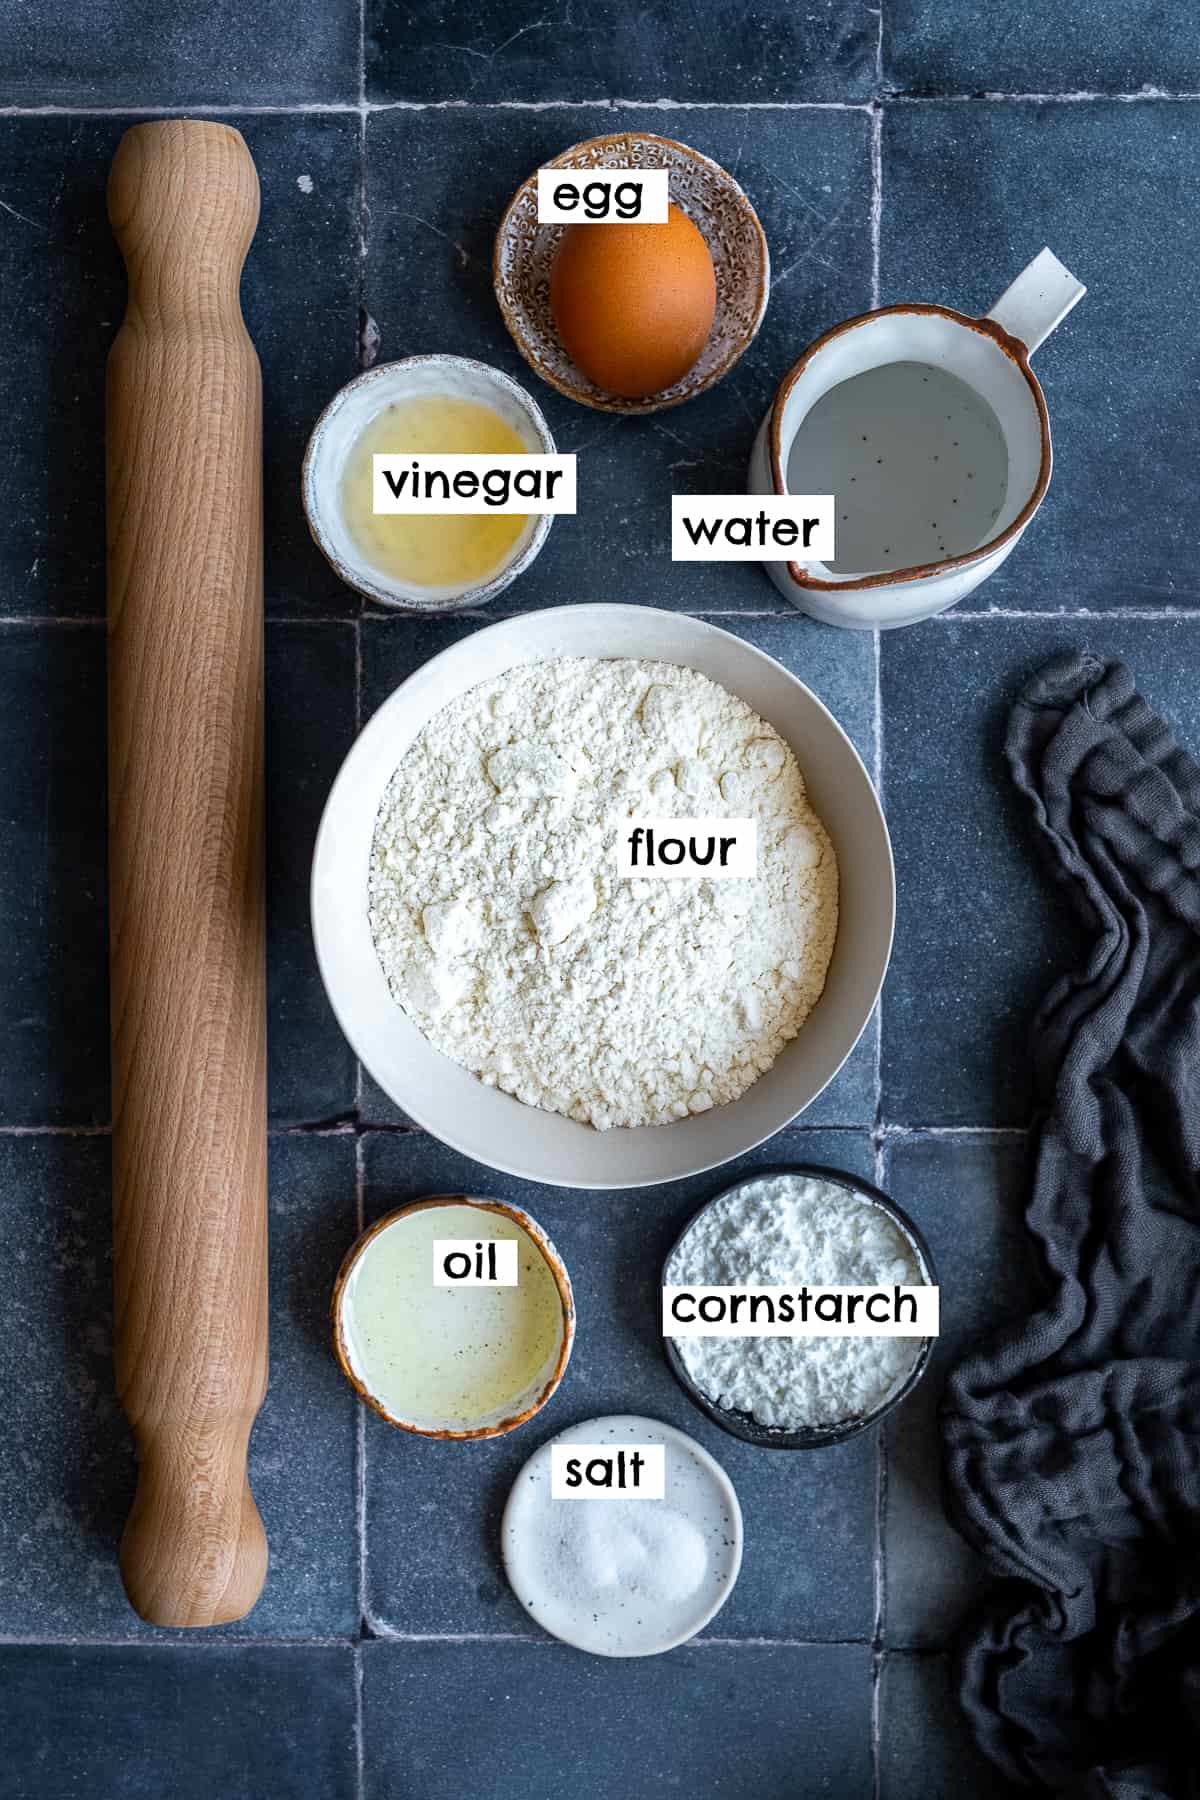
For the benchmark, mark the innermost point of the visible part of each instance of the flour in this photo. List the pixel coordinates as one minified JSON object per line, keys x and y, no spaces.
{"x":780,"y":1231}
{"x":506,"y":934}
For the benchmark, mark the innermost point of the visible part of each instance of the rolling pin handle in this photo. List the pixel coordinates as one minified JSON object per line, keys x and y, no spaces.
{"x":192,"y":1531}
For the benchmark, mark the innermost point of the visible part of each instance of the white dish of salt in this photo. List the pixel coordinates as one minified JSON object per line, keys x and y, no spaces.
{"x":624,"y":1577}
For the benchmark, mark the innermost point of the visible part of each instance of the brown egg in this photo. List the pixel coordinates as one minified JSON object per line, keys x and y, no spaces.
{"x":633,"y":304}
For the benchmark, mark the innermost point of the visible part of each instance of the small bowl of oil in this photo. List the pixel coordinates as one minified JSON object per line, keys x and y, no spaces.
{"x":461,"y":1361}
{"x":423,"y":405}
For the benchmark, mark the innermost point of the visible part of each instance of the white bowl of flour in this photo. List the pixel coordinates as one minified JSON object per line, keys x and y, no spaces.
{"x":539,"y":1017}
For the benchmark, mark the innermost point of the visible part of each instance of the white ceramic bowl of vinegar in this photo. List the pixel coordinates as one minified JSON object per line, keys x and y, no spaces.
{"x":355,"y":407}
{"x":491,"y":1126}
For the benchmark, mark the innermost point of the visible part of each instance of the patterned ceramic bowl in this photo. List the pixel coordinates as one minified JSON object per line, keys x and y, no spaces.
{"x":715,"y":204}
{"x":516,"y":1409}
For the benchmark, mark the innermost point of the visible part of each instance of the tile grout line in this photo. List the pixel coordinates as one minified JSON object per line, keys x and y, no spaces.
{"x":876,"y":239}
{"x":1141,"y":614}
{"x":94,"y":621}
{"x":951,"y":616}
{"x":358,"y":724}
{"x":89,"y":622}
{"x":69,"y":1131}
{"x":781,"y":1643}
{"x":973,"y":615}
{"x":337,"y":1127}
{"x":360,"y":1760}
{"x":203,"y":109}
{"x":360,"y":1438}
{"x":1080,"y":97}
{"x":386,"y":1636}
{"x":80,"y":1641}
{"x":221,"y":109}
{"x":360,"y":1483}
{"x":949,"y":1131}
{"x":876,"y":218}
{"x":13,"y":1640}
{"x":362,"y":110}
{"x":878,"y":1651}
{"x":361,"y":338}
{"x":358,"y":675}
{"x":1164,"y":615}
{"x":877,"y":1157}
{"x":358,"y":1128}
{"x":303,"y":108}
{"x":360,"y":1512}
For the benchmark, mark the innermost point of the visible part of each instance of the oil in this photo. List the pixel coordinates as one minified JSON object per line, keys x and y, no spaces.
{"x":450,"y":1358}
{"x":430,"y":550}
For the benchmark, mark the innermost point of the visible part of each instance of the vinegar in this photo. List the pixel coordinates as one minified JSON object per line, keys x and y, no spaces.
{"x":430,"y":550}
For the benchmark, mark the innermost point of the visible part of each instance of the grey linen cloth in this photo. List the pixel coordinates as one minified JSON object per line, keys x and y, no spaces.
{"x":1072,"y":1441}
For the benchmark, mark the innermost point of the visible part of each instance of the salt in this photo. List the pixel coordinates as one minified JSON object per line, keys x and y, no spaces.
{"x":616,"y":1574}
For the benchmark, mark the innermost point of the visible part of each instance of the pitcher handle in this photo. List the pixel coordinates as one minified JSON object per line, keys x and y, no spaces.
{"x":1039,"y":299}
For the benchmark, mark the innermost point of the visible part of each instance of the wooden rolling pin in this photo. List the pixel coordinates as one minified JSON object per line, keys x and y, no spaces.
{"x":185,"y":635}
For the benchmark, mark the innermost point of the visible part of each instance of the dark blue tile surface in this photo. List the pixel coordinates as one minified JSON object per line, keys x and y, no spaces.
{"x":968,"y":1195}
{"x":192,"y":1722}
{"x":1091,"y":46}
{"x":807,"y":1570}
{"x":61,"y":276}
{"x":970,"y":194}
{"x":492,"y":50}
{"x":53,"y":885}
{"x":66,"y":1487}
{"x":300,"y":296}
{"x":926,"y":1751}
{"x":310,"y":707}
{"x":63,"y":280}
{"x":438,"y":184}
{"x":505,"y":1719}
{"x":132,"y":53}
{"x":302,"y":1452}
{"x":980,"y":932}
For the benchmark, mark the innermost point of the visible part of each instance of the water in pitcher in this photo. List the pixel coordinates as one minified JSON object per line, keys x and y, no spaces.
{"x":916,"y":461}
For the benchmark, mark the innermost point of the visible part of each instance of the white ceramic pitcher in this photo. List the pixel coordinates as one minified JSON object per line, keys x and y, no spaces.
{"x":930,"y":429}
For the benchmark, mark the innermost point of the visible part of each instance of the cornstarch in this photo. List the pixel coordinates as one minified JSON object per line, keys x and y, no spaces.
{"x":780,"y":1231}
{"x":508,"y":937}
